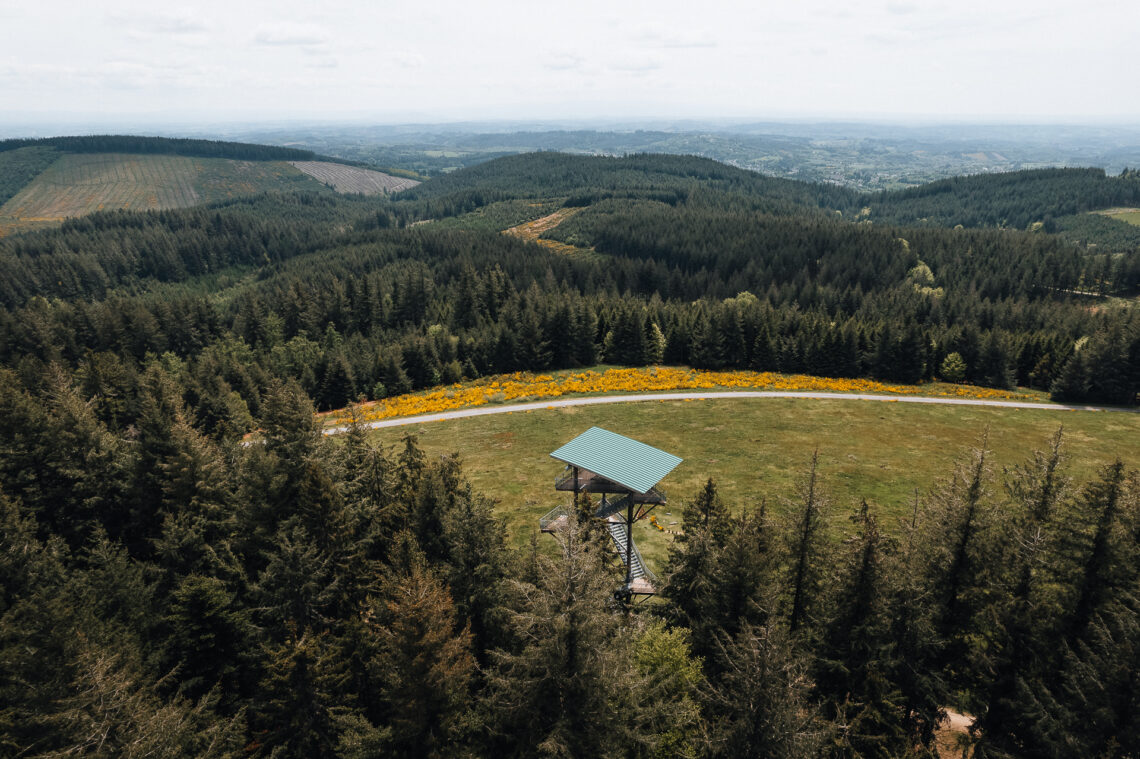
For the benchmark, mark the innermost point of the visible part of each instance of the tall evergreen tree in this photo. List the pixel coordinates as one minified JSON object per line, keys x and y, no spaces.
{"x":806,"y":550}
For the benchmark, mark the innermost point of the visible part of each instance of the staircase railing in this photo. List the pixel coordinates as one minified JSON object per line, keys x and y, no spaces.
{"x":620,"y":535}
{"x":558,"y":512}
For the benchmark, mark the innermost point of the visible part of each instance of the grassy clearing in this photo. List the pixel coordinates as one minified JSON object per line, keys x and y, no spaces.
{"x":501,"y":215}
{"x":347,"y":179}
{"x":79,"y":184}
{"x":1127,"y":215}
{"x":756,"y":449}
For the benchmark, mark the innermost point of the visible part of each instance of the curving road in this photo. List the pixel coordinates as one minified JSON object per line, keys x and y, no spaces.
{"x":695,"y":396}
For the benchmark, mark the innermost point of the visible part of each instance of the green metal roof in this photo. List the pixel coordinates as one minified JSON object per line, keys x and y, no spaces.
{"x":627,"y":462}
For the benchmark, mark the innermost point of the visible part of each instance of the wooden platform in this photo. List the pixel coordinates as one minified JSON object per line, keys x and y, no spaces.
{"x":588,"y":482}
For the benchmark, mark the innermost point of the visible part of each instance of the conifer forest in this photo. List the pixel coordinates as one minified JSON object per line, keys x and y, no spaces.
{"x":190,"y":567}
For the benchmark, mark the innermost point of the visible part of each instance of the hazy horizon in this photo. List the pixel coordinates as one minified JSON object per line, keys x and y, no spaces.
{"x":896,"y":62}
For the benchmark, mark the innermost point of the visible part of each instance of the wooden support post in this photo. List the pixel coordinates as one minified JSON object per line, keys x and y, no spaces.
{"x":629,"y":545}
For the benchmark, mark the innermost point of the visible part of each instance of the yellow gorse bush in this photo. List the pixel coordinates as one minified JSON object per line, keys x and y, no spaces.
{"x":527,"y":386}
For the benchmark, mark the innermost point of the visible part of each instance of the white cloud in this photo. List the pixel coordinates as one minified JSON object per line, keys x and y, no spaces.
{"x":634,"y":62}
{"x":564,"y":62}
{"x":691,"y":40}
{"x":899,"y":8}
{"x":406,"y":59}
{"x":946,"y":57}
{"x":289,"y":34}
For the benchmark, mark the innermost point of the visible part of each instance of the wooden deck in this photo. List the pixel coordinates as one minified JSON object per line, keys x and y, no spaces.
{"x":588,"y":482}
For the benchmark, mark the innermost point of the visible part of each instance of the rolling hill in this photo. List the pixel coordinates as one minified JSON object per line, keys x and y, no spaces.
{"x":47,"y":181}
{"x":79,"y":184}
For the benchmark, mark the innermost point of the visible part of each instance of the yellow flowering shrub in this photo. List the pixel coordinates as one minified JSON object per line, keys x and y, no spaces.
{"x":524,"y":386}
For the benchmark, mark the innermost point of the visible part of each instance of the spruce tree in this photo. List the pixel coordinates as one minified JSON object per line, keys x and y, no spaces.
{"x":857,"y":654}
{"x":566,"y":684}
{"x":423,"y":664}
{"x":760,"y":706}
{"x":806,"y":547}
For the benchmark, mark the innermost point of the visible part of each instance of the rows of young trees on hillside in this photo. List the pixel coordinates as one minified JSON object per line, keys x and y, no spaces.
{"x":164,"y":594}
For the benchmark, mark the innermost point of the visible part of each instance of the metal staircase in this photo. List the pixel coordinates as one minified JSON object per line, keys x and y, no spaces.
{"x":638,"y":571}
{"x":627,"y":475}
{"x":608,"y":508}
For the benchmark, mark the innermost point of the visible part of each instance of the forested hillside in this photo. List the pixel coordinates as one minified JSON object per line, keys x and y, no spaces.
{"x":1014,"y":200}
{"x":120,"y":143}
{"x":20,"y":166}
{"x":164,"y":594}
{"x":170,"y":591}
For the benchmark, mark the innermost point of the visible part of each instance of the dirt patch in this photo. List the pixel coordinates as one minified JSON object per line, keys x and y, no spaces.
{"x":952,"y":739}
{"x":531,"y":231}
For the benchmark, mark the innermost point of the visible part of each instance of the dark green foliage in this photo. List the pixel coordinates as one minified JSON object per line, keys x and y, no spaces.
{"x":702,"y":279}
{"x":307,"y":597}
{"x":169,"y":589}
{"x":857,"y":656}
{"x":118,"y":143}
{"x":760,"y":705}
{"x":566,"y":686}
{"x":19,"y":167}
{"x":957,"y":562}
{"x":208,"y":639}
{"x":300,"y":699}
{"x":1014,"y":199}
{"x":806,"y":544}
{"x":423,"y":663}
{"x":1107,"y":233}
{"x":723,"y":574}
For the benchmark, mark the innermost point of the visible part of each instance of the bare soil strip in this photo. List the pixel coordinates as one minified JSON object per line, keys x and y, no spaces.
{"x":531,"y":231}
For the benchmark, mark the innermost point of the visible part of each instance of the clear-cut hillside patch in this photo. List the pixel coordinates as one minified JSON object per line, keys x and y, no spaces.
{"x":351,"y":179}
{"x":83,"y":183}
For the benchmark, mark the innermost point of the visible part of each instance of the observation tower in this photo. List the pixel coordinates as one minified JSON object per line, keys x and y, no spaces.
{"x":626,"y":473}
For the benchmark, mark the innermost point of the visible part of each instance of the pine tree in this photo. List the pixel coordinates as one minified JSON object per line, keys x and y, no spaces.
{"x":760,"y":706}
{"x":960,"y":546}
{"x":807,"y":545}
{"x":565,"y":685}
{"x":423,"y":664}
{"x":1075,"y":379}
{"x":199,"y":527}
{"x":207,"y":639}
{"x":301,"y":702}
{"x":112,"y":710}
{"x":669,"y":691}
{"x":857,"y":652}
{"x":691,"y":573}
{"x":913,"y":613}
{"x":707,"y":349}
{"x":1026,"y":631}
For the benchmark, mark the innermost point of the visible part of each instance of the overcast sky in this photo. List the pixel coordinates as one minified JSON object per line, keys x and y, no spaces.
{"x":214,"y":60}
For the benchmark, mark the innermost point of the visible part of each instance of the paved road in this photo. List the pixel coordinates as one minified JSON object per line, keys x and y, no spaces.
{"x":693,"y":396}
